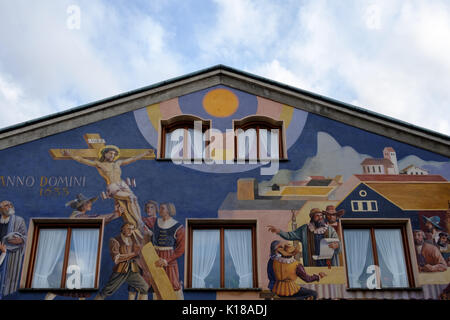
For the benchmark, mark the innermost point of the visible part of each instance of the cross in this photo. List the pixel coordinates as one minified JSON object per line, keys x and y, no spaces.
{"x":95,"y":144}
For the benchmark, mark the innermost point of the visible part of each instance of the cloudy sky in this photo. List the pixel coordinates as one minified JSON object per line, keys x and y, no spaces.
{"x":391,"y":57}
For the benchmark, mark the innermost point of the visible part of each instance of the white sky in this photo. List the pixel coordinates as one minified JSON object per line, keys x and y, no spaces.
{"x":391,"y":57}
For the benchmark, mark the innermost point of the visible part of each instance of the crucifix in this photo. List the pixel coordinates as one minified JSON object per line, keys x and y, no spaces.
{"x":108,"y":160}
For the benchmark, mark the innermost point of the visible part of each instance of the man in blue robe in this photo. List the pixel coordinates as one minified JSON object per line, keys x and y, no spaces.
{"x":13,"y":235}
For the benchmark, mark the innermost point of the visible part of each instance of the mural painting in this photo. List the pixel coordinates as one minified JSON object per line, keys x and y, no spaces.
{"x":345,"y":208}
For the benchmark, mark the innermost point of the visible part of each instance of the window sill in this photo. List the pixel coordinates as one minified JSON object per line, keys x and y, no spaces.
{"x":58,"y":290}
{"x":222,"y":289}
{"x":383,"y":289}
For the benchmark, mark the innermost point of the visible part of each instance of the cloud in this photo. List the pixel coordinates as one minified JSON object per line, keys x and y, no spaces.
{"x":47,"y":67}
{"x":390,"y":57}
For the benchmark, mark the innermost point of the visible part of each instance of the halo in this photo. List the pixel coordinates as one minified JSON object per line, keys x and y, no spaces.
{"x":110,"y":147}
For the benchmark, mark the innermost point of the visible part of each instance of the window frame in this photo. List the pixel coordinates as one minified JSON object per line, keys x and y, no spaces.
{"x":184,"y":122}
{"x":260,"y":122}
{"x":379,"y":223}
{"x":221,"y":224}
{"x":37,"y":224}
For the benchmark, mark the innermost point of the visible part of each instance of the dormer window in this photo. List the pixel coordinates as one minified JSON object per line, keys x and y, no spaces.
{"x":259,"y":138}
{"x":182,"y":137}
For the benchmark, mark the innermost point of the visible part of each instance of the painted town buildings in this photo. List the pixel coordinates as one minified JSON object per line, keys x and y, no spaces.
{"x":223,"y":185}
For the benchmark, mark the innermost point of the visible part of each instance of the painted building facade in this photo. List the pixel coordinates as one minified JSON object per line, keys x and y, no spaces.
{"x":223,"y":185}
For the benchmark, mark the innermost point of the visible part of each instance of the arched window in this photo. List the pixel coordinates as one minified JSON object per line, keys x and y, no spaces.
{"x":259,"y":138}
{"x":182,"y":137}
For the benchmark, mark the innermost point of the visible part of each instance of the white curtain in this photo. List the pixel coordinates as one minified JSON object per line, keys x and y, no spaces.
{"x":205,"y":248}
{"x":85,"y":244}
{"x":356,"y":245}
{"x":390,"y":247}
{"x":50,"y":250}
{"x":247,"y":144}
{"x":268,"y":144}
{"x":239,"y":243}
{"x":195,"y":143}
{"x":174,"y":144}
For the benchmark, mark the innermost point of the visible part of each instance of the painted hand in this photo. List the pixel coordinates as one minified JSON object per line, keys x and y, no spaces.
{"x":334,"y":245}
{"x":273,"y":229}
{"x":161,"y":263}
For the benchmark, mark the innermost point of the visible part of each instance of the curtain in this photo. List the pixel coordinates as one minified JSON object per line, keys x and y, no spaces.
{"x":268,"y":144}
{"x":85,"y":248}
{"x":205,"y":248}
{"x":239,"y":243}
{"x":390,"y":247}
{"x":195,"y":143}
{"x":356,"y":249}
{"x":247,"y":144}
{"x":50,"y":250}
{"x":174,"y":144}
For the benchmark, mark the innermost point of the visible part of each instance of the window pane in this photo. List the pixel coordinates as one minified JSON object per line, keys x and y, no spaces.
{"x":392,"y":258}
{"x":82,"y":258}
{"x":195,"y":143}
{"x":206,"y":259}
{"x":247,"y":144}
{"x":174,"y":144}
{"x":49,"y":258}
{"x":238,"y":259}
{"x":268,"y":144}
{"x":358,"y":252}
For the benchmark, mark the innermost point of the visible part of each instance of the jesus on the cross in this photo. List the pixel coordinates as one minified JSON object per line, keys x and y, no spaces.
{"x":110,"y":169}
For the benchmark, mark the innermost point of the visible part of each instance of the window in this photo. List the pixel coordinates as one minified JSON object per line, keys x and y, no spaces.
{"x":182,"y":137}
{"x":222,"y":254}
{"x":259,"y":138}
{"x":63,"y":254}
{"x":376,"y":254}
{"x":364,"y":205}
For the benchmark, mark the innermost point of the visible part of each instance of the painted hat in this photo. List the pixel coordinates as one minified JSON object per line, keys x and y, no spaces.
{"x":314,"y":211}
{"x":79,"y":201}
{"x":444,"y":234}
{"x":434,"y":221}
{"x":288,"y":250}
{"x":332,"y":210}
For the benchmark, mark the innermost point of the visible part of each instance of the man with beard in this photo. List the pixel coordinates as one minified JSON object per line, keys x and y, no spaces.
{"x":13,"y":235}
{"x":431,"y":229}
{"x":429,"y":258}
{"x":444,"y":246}
{"x":310,"y":235}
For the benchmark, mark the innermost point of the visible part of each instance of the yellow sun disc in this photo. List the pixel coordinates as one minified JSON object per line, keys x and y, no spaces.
{"x":220,"y":103}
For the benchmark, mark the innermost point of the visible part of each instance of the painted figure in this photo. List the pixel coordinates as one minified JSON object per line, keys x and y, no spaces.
{"x":110,"y":169}
{"x":332,"y":218}
{"x":429,"y":258}
{"x":444,"y":246}
{"x":82,"y":205}
{"x":151,"y":209}
{"x":169,"y":239}
{"x":310,"y":235}
{"x":432,"y":228}
{"x":286,"y":270}
{"x":270,"y":272}
{"x":13,"y":235}
{"x":124,"y":250}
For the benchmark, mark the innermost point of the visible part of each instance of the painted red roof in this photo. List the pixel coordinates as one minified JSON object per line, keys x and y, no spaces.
{"x":371,"y":161}
{"x":400,"y":177}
